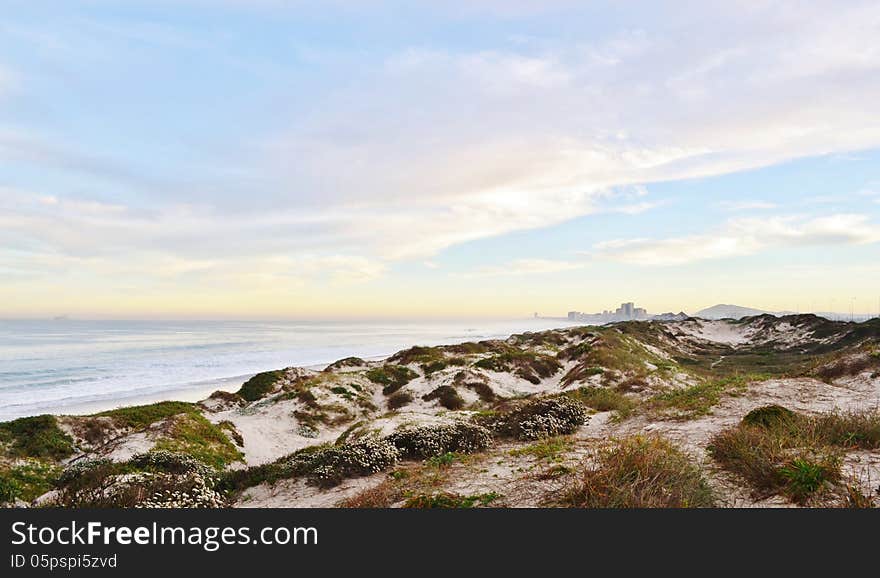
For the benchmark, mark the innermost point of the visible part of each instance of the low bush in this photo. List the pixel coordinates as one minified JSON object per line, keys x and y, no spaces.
{"x":36,"y":437}
{"x":261,"y":384}
{"x":533,"y":367}
{"x":433,"y":440}
{"x":770,"y":416}
{"x":446,"y":396}
{"x":345,"y":362}
{"x":392,"y":377}
{"x":27,"y":480}
{"x":641,"y":472}
{"x":329,"y":465}
{"x":540,"y":418}
{"x":483,"y":390}
{"x":156,"y":479}
{"x":167,"y":462}
{"x":399,"y":399}
{"x":325,"y":466}
{"x":441,"y":364}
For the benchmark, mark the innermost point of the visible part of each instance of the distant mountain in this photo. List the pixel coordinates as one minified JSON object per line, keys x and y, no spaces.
{"x":681,"y":316}
{"x":729,"y":312}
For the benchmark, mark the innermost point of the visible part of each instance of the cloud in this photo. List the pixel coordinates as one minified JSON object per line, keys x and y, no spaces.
{"x":423,"y":147}
{"x":525,"y":267}
{"x":743,"y":237}
{"x":452,"y":146}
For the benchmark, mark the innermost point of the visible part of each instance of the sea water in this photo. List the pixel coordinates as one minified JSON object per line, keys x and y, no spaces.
{"x":72,"y":366}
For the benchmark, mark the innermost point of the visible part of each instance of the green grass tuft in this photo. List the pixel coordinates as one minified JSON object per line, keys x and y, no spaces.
{"x":448,"y":500}
{"x":194,"y":435}
{"x":143,"y":416}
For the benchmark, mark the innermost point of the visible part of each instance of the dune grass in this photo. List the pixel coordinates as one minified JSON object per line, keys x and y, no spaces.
{"x":778,"y":451}
{"x":641,"y":472}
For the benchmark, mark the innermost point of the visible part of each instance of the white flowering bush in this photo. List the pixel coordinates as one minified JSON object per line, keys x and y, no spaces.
{"x":329,"y":465}
{"x":434,"y":440}
{"x":540,"y":418}
{"x":307,"y":431}
{"x":170,"y":462}
{"x":168,"y":491}
{"x":157,"y":479}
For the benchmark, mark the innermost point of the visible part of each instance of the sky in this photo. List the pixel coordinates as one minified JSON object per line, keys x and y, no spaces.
{"x":260,"y":159}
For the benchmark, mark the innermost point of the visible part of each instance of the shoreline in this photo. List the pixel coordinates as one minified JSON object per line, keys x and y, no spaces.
{"x":292,"y":349}
{"x":192,"y":393}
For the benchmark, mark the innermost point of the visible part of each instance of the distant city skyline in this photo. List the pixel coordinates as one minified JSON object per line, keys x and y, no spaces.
{"x":255,"y":160}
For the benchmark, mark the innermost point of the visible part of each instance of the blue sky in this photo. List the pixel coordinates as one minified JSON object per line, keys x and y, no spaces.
{"x":267,"y":158}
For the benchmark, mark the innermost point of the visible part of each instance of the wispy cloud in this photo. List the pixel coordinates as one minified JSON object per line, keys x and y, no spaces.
{"x":743,"y":237}
{"x":394,"y":149}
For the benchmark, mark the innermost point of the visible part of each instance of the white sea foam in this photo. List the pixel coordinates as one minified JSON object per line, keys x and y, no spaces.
{"x":70,"y":366}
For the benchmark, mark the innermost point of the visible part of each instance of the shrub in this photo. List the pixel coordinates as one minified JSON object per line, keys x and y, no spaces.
{"x":428,"y":441}
{"x":345,"y":362}
{"x":417,"y":354}
{"x":9,"y":488}
{"x":393,"y":377}
{"x":329,"y":465}
{"x":484,"y":390}
{"x":769,"y":416}
{"x":532,"y":367}
{"x":164,"y":491}
{"x":540,"y":418}
{"x":163,"y":461}
{"x":447,"y":397}
{"x":641,"y":472}
{"x":259,"y":385}
{"x":143,"y":416}
{"x":222,"y":400}
{"x":156,"y":479}
{"x":324,"y":466}
{"x":399,"y":399}
{"x":27,"y":480}
{"x":441,"y":364}
{"x":37,"y":437}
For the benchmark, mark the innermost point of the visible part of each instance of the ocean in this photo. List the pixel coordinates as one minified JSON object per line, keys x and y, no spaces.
{"x":73,"y":367}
